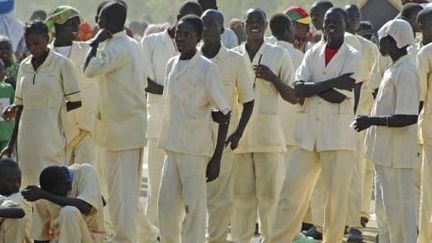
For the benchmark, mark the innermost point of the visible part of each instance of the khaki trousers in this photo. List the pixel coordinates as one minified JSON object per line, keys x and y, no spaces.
{"x":81,"y":149}
{"x":14,"y":231}
{"x":220,"y":194}
{"x":425,"y":225}
{"x":395,"y":205}
{"x":257,"y":184}
{"x":123,"y":176}
{"x":368,"y":182}
{"x":155,"y":160}
{"x":303,"y":170}
{"x":183,"y":198}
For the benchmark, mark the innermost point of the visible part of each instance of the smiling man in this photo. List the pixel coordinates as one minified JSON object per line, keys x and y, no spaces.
{"x":260,"y":155}
{"x":325,"y":143}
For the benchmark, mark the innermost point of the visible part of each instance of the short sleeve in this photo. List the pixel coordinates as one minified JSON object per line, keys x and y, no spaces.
{"x":69,"y":78}
{"x":244,"y":83}
{"x":215,"y":89}
{"x":303,"y":72}
{"x":106,"y":60}
{"x":407,"y":92}
{"x":41,"y":220}
{"x":88,"y":186}
{"x":286,"y":70}
{"x":19,"y":98}
{"x":423,"y":67}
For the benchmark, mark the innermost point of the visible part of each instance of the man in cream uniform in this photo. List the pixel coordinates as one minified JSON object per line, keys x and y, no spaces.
{"x":158,"y":49}
{"x":424,"y":63}
{"x":391,"y":141}
{"x":119,"y":129}
{"x":238,"y":90}
{"x":324,"y":140}
{"x":192,"y":88}
{"x":260,"y":155}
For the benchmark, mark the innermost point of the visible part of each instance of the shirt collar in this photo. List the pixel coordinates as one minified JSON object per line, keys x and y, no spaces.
{"x":119,"y":34}
{"x":45,"y":63}
{"x":401,"y":60}
{"x":259,"y":53}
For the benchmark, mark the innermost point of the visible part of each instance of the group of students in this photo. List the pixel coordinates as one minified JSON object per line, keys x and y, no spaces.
{"x":285,"y":130}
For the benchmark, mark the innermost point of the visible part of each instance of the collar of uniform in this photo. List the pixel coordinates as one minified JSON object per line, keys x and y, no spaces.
{"x":284,"y":44}
{"x":259,"y":53}
{"x":220,"y":55}
{"x":401,"y":60}
{"x":323,"y":47}
{"x":119,"y":34}
{"x":191,"y":62}
{"x":45,"y":63}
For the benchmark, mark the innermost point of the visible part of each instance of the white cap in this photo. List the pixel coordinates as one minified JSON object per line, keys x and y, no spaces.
{"x":400,"y":30}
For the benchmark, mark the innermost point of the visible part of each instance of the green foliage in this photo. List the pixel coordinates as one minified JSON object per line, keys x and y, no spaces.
{"x":157,"y":11}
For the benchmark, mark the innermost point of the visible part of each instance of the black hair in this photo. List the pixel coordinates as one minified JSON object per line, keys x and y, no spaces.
{"x":52,"y":176}
{"x":212,"y":4}
{"x":36,"y":27}
{"x":9,"y":163}
{"x":100,"y":6}
{"x":366,"y":24}
{"x":323,"y":4}
{"x":278,"y":23}
{"x":190,"y":7}
{"x":258,"y":10}
{"x":426,"y":13}
{"x":219,"y":15}
{"x":117,"y":12}
{"x":39,"y":13}
{"x":341,"y":11}
{"x":410,"y":9}
{"x":195,"y":21}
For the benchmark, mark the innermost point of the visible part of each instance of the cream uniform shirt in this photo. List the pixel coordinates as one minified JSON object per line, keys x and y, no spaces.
{"x":237,"y":83}
{"x":287,"y":110}
{"x":321,"y":125}
{"x":369,"y":54}
{"x":424,"y":63}
{"x":43,"y":93}
{"x":158,"y":49}
{"x":398,"y":94}
{"x":82,"y":118}
{"x":85,"y":186}
{"x":264,"y":132}
{"x":121,"y":118}
{"x":192,"y":88}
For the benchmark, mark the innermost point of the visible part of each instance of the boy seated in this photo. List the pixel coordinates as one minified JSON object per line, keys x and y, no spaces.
{"x":67,"y":205}
{"x":13,"y":220}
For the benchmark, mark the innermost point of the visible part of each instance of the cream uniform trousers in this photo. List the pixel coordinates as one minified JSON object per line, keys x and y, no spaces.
{"x":257,"y":185}
{"x":220,"y":200}
{"x":155,"y":160}
{"x":123,"y":175}
{"x":81,"y":149}
{"x":182,"y":198}
{"x":395,"y":205}
{"x":425,"y":225}
{"x":368,"y":181}
{"x":303,"y":170}
{"x":13,"y":231}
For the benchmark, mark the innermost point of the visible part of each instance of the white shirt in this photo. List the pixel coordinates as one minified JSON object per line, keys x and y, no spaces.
{"x":398,"y":94}
{"x":189,"y":95}
{"x":321,"y":125}
{"x":158,"y":49}
{"x":229,"y":38}
{"x":120,"y":121}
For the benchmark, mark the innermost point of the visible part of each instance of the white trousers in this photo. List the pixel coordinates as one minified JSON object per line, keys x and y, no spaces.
{"x":155,"y":160}
{"x":303,"y":170}
{"x":183,"y":198}
{"x":123,"y":176}
{"x":425,"y":225}
{"x":395,"y":205}
{"x":220,"y":194}
{"x":257,"y":185}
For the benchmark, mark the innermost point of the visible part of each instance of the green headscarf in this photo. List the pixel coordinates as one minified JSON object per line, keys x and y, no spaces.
{"x":60,"y":15}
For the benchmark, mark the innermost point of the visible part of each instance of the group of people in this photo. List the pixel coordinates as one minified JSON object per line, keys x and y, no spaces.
{"x":287,"y":131}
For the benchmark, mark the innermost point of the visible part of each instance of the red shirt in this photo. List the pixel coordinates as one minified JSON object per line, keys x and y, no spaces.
{"x":329,"y":54}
